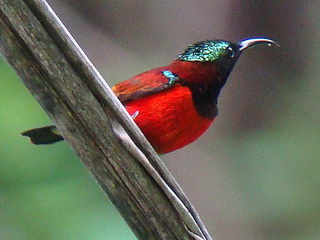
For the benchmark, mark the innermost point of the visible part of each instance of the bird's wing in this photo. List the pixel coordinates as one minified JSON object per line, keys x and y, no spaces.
{"x":145,"y":84}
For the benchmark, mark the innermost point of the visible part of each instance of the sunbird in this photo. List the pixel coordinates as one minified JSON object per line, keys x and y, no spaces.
{"x":175,"y":104}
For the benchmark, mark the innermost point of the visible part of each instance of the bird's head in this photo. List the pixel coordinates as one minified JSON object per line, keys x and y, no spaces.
{"x":223,"y":54}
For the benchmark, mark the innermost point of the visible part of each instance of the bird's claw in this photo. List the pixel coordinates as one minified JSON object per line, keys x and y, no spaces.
{"x":136,"y":113}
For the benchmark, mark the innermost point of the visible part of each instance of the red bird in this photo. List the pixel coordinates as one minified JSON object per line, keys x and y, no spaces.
{"x":175,"y":104}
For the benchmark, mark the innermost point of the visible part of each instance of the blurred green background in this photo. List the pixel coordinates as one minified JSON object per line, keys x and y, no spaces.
{"x":254,"y":175}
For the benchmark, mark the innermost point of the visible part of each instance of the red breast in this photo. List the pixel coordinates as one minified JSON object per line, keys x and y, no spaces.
{"x":168,"y":119}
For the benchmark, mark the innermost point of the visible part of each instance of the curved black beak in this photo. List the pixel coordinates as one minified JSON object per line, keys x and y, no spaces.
{"x":248,"y":43}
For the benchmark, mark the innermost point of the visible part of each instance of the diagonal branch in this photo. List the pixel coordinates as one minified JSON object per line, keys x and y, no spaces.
{"x":94,"y":123}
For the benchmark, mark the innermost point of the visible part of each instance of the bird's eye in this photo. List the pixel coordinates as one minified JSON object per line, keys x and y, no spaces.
{"x":230,"y":52}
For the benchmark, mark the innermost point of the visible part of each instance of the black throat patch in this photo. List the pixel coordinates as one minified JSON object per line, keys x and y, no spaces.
{"x":205,"y":98}
{"x":204,"y":95}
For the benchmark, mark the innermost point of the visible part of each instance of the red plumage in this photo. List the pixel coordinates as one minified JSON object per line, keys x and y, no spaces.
{"x":174,"y":105}
{"x":167,"y":115}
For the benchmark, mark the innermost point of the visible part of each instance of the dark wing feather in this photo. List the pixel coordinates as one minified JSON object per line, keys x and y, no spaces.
{"x":142,"y":85}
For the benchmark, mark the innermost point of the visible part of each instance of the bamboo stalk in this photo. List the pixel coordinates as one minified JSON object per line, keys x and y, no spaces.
{"x":95,"y":124}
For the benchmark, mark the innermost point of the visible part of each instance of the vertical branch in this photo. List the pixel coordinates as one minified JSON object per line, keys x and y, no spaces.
{"x":94,"y":123}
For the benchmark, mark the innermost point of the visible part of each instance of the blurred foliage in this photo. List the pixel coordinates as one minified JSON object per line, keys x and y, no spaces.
{"x":278,"y":168}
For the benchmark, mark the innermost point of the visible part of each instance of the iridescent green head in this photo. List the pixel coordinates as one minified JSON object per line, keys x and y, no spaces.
{"x":217,"y":50}
{"x":215,"y":60}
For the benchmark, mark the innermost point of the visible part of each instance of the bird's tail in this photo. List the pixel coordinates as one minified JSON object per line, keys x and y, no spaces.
{"x":43,"y":135}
